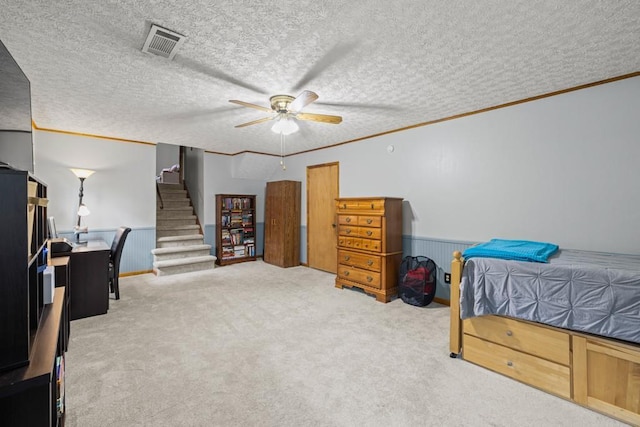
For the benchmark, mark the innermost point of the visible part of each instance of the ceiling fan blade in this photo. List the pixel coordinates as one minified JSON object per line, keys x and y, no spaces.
{"x":302,"y":100}
{"x":246,"y":104}
{"x":324,"y":118}
{"x":255,"y":122}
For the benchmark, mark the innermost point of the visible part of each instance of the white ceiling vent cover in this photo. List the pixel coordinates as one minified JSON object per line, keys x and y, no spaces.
{"x":163,"y":42}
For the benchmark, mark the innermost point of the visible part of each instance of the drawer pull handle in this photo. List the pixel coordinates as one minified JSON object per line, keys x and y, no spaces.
{"x":348,"y":219}
{"x":344,"y":206}
{"x":346,"y":273}
{"x":369,"y":220}
{"x":369,"y":263}
{"x":369,"y":278}
{"x":348,"y":231}
{"x":347,"y":257}
{"x":371,"y":205}
{"x":369,"y":232}
{"x":509,"y":363}
{"x":509,"y":333}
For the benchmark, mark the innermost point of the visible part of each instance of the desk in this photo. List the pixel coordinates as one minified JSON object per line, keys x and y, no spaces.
{"x":89,"y":279}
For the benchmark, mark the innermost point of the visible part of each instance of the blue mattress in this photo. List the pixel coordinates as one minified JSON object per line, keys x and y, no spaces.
{"x":589,"y":292}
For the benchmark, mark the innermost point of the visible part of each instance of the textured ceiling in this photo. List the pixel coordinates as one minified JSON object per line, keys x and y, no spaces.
{"x":380,"y":65}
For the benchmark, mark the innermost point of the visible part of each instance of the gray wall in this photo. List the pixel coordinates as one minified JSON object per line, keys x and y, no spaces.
{"x":194,"y":178}
{"x":167,"y":155}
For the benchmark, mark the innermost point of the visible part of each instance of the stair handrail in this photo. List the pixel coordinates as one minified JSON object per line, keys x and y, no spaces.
{"x":159,"y":195}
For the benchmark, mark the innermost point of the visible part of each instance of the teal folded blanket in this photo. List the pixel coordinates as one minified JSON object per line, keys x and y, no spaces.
{"x":519,"y":250}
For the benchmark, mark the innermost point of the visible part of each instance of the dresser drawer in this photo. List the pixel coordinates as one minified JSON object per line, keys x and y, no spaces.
{"x":371,"y":245}
{"x":370,"y":221}
{"x":365,"y":261}
{"x":367,"y":278}
{"x":369,"y":233}
{"x":347,"y":230}
{"x":542,"y":341}
{"x":349,"y":242}
{"x":363,"y":205}
{"x":543,"y":374}
{"x":348,"y":220}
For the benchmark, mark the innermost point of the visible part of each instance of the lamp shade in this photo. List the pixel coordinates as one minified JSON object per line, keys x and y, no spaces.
{"x":83,"y":210}
{"x":82,"y":173}
{"x":285,"y":126}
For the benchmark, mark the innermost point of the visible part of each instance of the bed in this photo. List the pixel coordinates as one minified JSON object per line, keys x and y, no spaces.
{"x":569,"y":326}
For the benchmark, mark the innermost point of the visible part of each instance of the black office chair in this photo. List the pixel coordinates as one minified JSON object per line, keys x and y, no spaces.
{"x":114,"y":259}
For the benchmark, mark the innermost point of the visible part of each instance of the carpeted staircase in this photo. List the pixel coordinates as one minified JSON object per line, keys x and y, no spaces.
{"x":180,"y":244}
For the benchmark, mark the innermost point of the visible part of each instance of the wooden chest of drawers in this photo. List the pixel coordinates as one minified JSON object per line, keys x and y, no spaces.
{"x":369,"y":244}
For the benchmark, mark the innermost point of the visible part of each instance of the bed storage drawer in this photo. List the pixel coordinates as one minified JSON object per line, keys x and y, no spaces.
{"x":546,"y":375}
{"x":538,"y":340}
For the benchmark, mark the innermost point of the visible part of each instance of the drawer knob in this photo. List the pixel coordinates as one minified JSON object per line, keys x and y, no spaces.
{"x":348,"y":219}
{"x":346,"y":273}
{"x":344,"y":206}
{"x":347,"y":257}
{"x":348,"y":231}
{"x":369,"y":232}
{"x":369,"y":278}
{"x":509,"y":333}
{"x":369,"y":220}
{"x":369,"y":263}
{"x":509,"y":363}
{"x":371,"y":205}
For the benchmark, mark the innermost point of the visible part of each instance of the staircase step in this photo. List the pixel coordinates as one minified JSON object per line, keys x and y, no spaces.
{"x":176,"y":221}
{"x":184,"y":265}
{"x":174,"y":212}
{"x":179,"y":230}
{"x":165,"y":186}
{"x":174,"y":194}
{"x":171,"y":203}
{"x":173,"y":241}
{"x":177,"y":252}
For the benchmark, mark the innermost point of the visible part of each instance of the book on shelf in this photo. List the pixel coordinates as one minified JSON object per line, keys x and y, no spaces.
{"x":251,"y":250}
{"x":236,"y":203}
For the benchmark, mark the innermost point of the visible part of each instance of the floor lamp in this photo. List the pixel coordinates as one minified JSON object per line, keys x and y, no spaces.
{"x":82,"y":174}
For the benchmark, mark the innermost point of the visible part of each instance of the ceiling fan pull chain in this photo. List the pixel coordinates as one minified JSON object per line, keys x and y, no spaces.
{"x":284,"y":167}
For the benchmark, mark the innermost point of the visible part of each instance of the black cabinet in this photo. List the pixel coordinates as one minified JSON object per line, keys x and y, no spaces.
{"x":31,"y":343}
{"x":23,"y":230}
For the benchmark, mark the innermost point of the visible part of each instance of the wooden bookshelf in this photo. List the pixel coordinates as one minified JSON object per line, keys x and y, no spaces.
{"x":235,"y":228}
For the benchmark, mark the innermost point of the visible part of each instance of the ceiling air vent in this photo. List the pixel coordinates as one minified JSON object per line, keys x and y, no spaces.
{"x":163,"y":42}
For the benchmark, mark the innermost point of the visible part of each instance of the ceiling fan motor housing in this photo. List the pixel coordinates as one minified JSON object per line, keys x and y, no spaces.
{"x":280,"y":103}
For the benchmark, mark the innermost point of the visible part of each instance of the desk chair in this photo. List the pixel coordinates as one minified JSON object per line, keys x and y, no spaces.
{"x":114,"y":259}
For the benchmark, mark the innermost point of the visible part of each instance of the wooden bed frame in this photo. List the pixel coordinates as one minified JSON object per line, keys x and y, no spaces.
{"x":599,"y":373}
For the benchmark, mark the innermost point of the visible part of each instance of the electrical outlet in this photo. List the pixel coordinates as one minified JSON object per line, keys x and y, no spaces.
{"x":447,"y":277}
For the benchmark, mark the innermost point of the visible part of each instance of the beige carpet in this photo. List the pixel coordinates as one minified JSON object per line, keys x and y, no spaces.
{"x":256,"y":345}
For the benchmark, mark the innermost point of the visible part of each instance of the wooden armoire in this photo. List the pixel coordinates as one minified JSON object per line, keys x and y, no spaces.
{"x":282,"y":223}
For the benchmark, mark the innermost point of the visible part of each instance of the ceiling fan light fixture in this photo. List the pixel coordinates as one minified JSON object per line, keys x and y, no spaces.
{"x":285,"y":126}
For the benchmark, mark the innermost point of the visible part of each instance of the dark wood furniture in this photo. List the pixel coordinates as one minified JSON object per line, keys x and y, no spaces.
{"x":282,"y":223}
{"x":31,"y":343}
{"x":89,"y":279}
{"x":235,"y":228}
{"x":62,"y":273}
{"x":33,"y":395}
{"x":23,"y":229}
{"x":369,"y":244}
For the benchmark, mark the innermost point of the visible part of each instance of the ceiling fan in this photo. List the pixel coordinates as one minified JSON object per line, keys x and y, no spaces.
{"x":284,"y":108}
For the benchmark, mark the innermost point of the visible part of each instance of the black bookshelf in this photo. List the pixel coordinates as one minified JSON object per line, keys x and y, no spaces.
{"x":32,"y":341}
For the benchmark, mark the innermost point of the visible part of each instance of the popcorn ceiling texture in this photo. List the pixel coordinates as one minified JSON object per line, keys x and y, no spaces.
{"x":381,"y":65}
